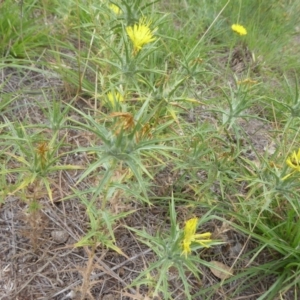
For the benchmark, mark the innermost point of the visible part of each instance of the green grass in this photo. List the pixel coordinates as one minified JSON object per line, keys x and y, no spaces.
{"x":206,"y":123}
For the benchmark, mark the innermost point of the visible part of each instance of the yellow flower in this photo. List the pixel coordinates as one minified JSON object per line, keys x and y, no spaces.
{"x":140,"y":34}
{"x":190,"y":236}
{"x":114,"y":97}
{"x":241,"y":30}
{"x":116,"y":9}
{"x":293,"y":161}
{"x":247,"y":81}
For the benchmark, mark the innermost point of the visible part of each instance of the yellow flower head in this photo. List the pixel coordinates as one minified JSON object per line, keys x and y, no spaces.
{"x":293,"y":161}
{"x":190,"y":236}
{"x":140,"y":34}
{"x":114,"y":97}
{"x":241,"y":30}
{"x":115,"y":9}
{"x":247,"y":81}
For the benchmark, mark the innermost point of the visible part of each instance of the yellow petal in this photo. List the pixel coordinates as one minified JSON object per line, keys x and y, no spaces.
{"x":241,"y":30}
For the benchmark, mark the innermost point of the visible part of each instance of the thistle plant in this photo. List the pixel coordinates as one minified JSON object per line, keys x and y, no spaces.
{"x":124,"y":139}
{"x":132,"y":59}
{"x":238,"y":101}
{"x":174,"y":250}
{"x":33,"y":158}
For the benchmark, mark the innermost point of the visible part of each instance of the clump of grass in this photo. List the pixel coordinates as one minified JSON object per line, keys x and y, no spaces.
{"x":23,"y":35}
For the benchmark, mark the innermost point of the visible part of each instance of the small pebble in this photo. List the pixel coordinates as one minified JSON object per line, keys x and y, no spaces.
{"x":59,"y":236}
